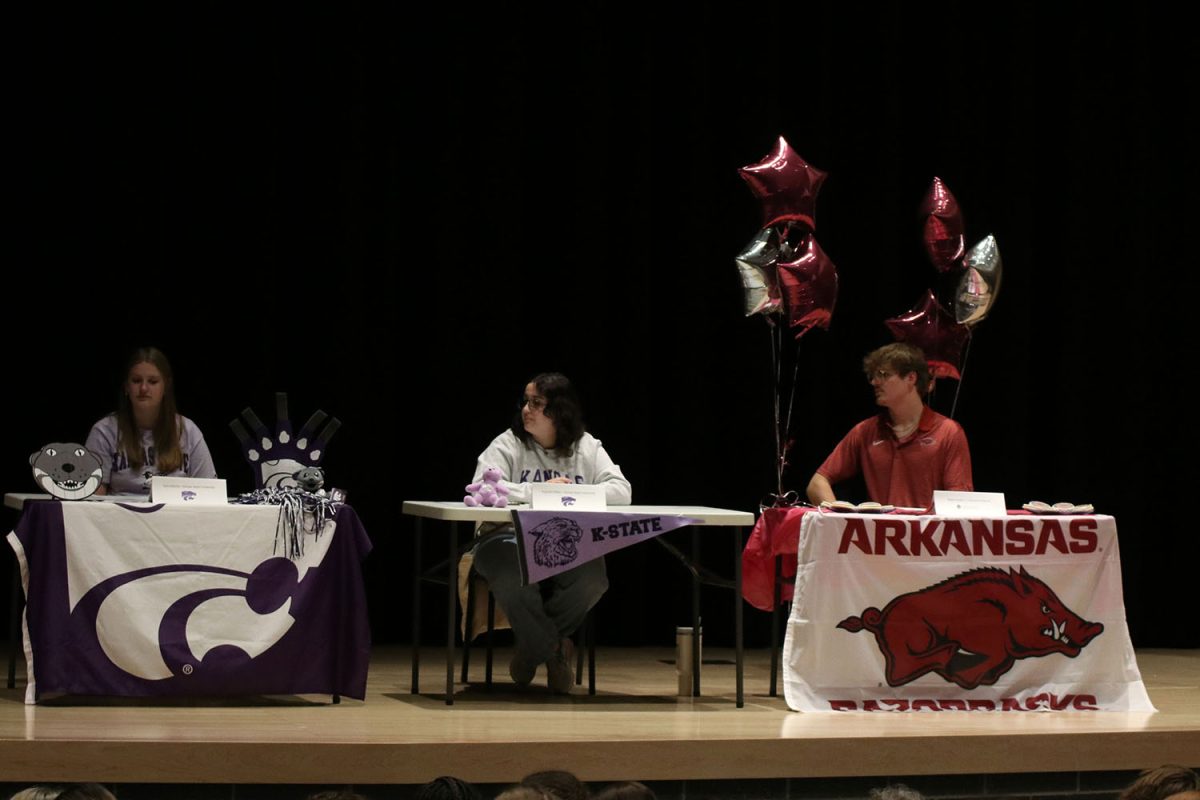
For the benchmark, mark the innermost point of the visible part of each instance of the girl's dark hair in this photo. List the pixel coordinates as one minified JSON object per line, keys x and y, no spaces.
{"x":563,"y":409}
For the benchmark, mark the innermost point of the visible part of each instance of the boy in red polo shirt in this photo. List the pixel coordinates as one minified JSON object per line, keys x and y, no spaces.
{"x":905,"y":452}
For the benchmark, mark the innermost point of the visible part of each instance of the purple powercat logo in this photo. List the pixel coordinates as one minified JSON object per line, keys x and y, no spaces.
{"x":189,"y":621}
{"x":188,"y":494}
{"x":567,"y":500}
{"x":174,"y":620}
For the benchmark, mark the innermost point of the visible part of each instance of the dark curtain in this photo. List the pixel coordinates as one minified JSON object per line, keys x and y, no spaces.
{"x":399,"y":216}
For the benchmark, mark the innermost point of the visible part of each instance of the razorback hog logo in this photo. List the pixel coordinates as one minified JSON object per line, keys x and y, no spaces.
{"x":971,"y":628}
{"x":555,"y":542}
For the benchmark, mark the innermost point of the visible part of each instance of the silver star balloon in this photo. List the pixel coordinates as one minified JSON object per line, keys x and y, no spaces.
{"x":980,"y":283}
{"x":756,"y":265}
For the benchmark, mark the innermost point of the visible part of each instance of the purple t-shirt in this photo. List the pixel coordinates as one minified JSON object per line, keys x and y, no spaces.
{"x":122,"y":479}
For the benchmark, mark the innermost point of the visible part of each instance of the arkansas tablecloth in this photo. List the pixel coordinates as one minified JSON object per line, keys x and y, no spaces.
{"x":931,"y":614}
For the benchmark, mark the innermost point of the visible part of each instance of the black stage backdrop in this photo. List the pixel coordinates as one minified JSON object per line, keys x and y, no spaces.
{"x":400,"y":216}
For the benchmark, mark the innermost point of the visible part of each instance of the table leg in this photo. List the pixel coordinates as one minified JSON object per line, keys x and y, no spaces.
{"x":491,"y":629}
{"x":591,"y":646}
{"x":697,"y":631}
{"x":452,"y":609}
{"x":469,"y":627}
{"x":737,"y":602}
{"x":776,"y":598}
{"x":416,"y":607}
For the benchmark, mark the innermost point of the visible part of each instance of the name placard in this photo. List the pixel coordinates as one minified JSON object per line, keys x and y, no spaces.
{"x":968,"y":504}
{"x":568,"y":497}
{"x":192,"y":491}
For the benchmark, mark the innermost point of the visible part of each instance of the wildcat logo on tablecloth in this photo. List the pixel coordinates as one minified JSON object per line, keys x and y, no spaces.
{"x":555,"y":541}
{"x":150,"y":607}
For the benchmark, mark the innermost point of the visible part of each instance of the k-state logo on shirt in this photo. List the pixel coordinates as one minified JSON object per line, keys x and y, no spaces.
{"x":543,"y":475}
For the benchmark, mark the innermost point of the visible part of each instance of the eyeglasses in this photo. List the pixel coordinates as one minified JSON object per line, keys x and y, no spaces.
{"x":535,"y":403}
{"x":880,"y":374}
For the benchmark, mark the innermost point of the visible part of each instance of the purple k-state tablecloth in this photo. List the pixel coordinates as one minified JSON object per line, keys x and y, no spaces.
{"x":153,"y":600}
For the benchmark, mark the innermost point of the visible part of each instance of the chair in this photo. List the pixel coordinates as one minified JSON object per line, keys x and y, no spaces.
{"x":584,"y":637}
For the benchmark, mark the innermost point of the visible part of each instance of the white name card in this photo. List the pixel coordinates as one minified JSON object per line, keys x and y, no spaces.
{"x":568,"y":497}
{"x":969,"y":504}
{"x":191,"y":491}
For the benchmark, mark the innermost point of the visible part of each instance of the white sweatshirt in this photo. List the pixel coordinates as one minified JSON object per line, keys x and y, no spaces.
{"x":524,"y":464}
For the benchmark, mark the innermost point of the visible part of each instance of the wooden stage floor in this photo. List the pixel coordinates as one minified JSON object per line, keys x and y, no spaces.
{"x":634,"y":728}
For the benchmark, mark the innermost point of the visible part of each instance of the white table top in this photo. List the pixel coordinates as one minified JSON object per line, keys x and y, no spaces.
{"x":455,"y":511}
{"x":16,"y":500}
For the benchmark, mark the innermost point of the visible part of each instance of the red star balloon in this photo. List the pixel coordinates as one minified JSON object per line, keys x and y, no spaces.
{"x":943,"y":233}
{"x":931,"y":328}
{"x":786,"y":186}
{"x":809,"y":287}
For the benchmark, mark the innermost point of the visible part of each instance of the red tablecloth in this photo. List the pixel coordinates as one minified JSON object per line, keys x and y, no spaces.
{"x":776,"y":533}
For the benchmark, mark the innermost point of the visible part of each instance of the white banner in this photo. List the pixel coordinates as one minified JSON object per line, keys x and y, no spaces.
{"x":897,"y":613}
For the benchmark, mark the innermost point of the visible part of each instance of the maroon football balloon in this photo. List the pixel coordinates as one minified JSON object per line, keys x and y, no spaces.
{"x":786,"y":186}
{"x":943,"y":232}
{"x":934,"y":330}
{"x":809,"y":286}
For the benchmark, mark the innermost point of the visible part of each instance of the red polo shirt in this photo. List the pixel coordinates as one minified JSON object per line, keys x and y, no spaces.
{"x":903,"y":473}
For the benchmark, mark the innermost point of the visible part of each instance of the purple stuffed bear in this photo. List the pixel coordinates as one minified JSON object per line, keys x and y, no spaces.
{"x":489,"y":491}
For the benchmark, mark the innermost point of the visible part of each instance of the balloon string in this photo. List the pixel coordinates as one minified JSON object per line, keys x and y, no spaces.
{"x":776,"y":351}
{"x":962,"y":374}
{"x":788,"y":427}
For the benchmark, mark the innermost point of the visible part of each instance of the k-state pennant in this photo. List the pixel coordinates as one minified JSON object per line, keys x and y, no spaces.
{"x":556,"y":541}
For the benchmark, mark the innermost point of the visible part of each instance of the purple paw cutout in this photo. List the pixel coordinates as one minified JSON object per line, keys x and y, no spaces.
{"x":276,"y":458}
